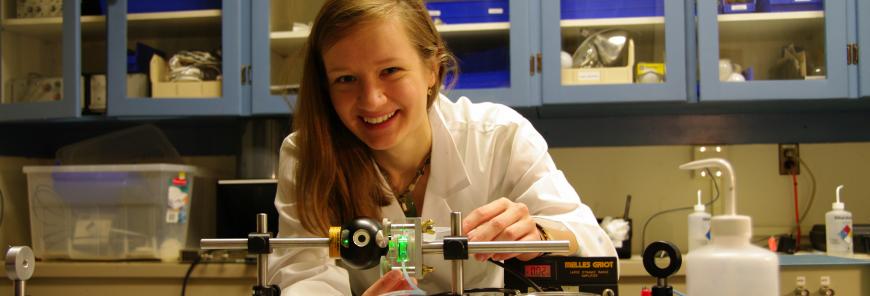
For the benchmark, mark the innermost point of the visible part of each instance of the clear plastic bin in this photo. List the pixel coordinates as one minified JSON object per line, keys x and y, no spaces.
{"x":119,"y":212}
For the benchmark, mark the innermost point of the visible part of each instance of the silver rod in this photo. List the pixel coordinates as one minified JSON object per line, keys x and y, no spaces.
{"x":19,"y":288}
{"x":402,"y":226}
{"x":556,"y":246}
{"x":262,"y":259}
{"x":456,"y":230}
{"x":262,"y":223}
{"x":275,"y":243}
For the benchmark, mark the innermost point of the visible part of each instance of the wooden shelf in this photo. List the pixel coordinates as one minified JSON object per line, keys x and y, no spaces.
{"x":194,"y":22}
{"x":767,"y":27}
{"x":612,"y":22}
{"x":288,"y":41}
{"x":642,"y":27}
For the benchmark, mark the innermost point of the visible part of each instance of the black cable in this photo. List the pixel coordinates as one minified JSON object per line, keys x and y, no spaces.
{"x":812,"y":195}
{"x":189,"y":271}
{"x":520,"y":277}
{"x":648,"y":220}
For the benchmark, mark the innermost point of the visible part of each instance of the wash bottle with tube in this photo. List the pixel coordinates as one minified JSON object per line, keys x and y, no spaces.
{"x":838,"y":229}
{"x":699,"y":226}
{"x":730,"y":265}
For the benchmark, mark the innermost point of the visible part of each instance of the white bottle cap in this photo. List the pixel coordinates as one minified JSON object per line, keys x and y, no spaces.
{"x":699,"y":207}
{"x":838,"y":205}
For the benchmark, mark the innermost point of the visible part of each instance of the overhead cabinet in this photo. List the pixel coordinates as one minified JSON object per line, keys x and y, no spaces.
{"x":246,"y":56}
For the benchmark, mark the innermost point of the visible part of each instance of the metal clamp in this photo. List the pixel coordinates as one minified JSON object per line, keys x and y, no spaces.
{"x":20,"y":264}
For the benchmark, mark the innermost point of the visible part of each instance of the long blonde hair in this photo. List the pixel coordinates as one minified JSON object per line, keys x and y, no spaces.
{"x":336,"y":179}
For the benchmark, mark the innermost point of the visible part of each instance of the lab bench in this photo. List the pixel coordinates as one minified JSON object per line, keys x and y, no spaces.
{"x":847,"y":277}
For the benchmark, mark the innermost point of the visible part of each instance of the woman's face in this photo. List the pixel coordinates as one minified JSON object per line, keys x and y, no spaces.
{"x":378,"y":84}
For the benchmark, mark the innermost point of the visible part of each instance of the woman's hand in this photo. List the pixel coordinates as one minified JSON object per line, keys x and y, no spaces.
{"x":391,"y":281}
{"x":501,"y":220}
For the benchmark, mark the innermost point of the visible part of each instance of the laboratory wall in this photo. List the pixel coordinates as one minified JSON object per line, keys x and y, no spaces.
{"x":605,"y":175}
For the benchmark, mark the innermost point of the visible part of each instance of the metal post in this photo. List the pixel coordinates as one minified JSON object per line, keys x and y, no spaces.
{"x":19,"y":288}
{"x":456,"y":230}
{"x":262,"y":259}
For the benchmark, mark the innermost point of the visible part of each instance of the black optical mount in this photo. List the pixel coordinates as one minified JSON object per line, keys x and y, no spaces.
{"x":661,"y":274}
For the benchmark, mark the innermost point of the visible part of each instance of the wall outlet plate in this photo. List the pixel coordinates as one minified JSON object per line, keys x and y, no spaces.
{"x":789,"y":159}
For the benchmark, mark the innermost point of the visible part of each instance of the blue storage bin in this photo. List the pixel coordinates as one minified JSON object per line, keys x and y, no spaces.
{"x":468,"y":11}
{"x":589,"y":9}
{"x":483,"y":69}
{"x":726,"y":6}
{"x":790,"y":5}
{"x":139,"y":61}
{"x":144,"y":6}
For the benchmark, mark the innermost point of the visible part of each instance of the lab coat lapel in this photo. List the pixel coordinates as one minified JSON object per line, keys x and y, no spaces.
{"x":448,"y":174}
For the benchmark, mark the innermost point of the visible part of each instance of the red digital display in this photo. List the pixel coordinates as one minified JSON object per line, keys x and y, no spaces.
{"x":537,"y":271}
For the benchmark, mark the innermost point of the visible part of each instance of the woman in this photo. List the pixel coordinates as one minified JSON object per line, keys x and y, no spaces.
{"x":373,"y":137}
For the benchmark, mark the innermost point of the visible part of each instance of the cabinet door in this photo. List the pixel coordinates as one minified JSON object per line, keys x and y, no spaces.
{"x":41,"y":60}
{"x":207,"y":82}
{"x":496,"y":63}
{"x":753,"y":51}
{"x":864,"y":45}
{"x":613,"y":51}
{"x":280,"y":29}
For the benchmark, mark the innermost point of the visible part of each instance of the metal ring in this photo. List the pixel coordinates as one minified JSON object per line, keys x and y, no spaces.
{"x":334,"y":241}
{"x":649,"y":255}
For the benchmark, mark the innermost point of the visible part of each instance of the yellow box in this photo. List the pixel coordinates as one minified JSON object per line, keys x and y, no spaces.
{"x":606,"y":75}
{"x":161,"y":87}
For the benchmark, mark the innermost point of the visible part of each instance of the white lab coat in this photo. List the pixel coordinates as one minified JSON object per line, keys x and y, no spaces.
{"x":480,"y":153}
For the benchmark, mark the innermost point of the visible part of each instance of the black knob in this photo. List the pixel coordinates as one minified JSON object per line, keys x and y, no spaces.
{"x":362,"y":243}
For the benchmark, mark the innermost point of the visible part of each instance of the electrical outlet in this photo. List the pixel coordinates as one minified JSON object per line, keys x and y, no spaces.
{"x":789,"y":159}
{"x":708,"y":151}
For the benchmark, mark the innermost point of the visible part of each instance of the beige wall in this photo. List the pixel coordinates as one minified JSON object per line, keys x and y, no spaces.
{"x":605,"y":175}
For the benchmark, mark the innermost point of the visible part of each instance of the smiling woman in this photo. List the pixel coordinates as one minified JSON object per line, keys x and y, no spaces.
{"x":372,"y":133}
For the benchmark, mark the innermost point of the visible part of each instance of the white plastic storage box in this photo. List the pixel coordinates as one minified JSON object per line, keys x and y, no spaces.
{"x":119,"y":212}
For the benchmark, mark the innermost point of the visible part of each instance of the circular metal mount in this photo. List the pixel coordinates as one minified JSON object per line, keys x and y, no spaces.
{"x":651,"y":253}
{"x":20,"y":263}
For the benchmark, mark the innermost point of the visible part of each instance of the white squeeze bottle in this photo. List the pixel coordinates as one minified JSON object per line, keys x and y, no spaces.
{"x":699,"y":226}
{"x":838,"y":229}
{"x":730,"y":265}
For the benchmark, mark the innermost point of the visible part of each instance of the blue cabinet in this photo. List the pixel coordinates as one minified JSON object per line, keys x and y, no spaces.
{"x":496,"y":59}
{"x":864,"y":47}
{"x":42,"y":69}
{"x":218,"y":30}
{"x":780,"y":54}
{"x":495,"y":55}
{"x":613,"y":51}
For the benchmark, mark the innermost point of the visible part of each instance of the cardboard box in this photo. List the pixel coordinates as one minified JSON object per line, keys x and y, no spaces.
{"x":606,"y":75}
{"x":137,"y":87}
{"x":161,"y":87}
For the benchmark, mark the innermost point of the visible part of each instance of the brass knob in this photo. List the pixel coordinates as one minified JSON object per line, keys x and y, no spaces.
{"x":428,"y":226}
{"x":427,"y":269}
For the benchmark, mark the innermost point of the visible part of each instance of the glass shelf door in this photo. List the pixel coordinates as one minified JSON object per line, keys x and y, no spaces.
{"x":41,"y":51}
{"x":613,"y":51}
{"x":168,"y":60}
{"x":772,"y":49}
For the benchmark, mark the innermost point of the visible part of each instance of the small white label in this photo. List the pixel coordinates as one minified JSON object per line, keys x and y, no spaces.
{"x":172,"y":216}
{"x":825,"y":281}
{"x":497,"y":10}
{"x":435,"y":13}
{"x":589,"y":76}
{"x":801,"y":281}
{"x":739,"y":7}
